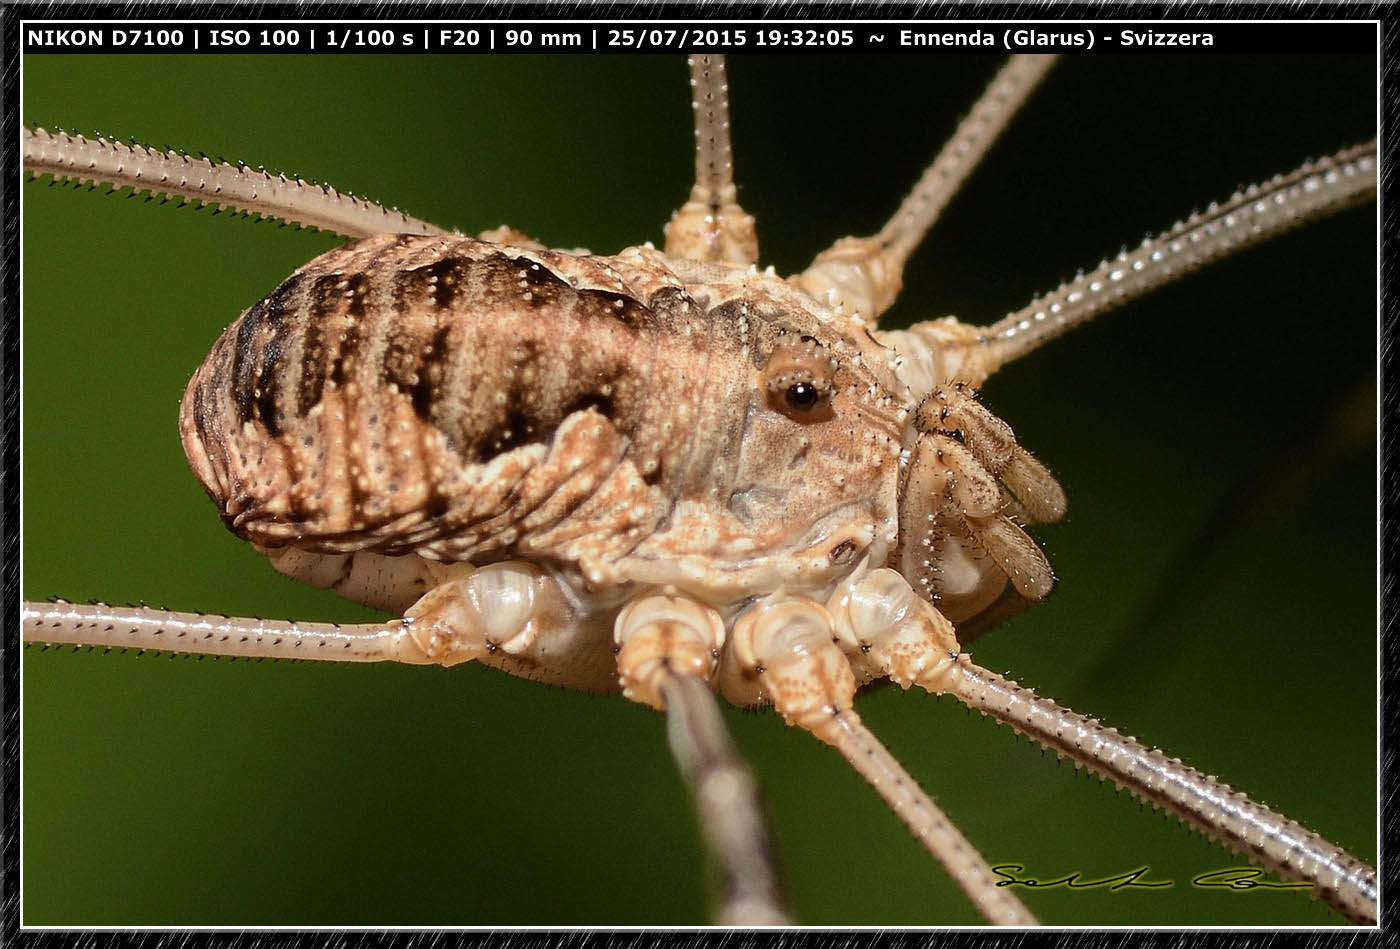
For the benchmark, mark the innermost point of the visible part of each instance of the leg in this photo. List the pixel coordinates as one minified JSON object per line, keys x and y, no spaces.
{"x":863,"y":274}
{"x":501,"y":610}
{"x":115,"y":627}
{"x":521,"y":619}
{"x":711,"y":226}
{"x":878,"y":617}
{"x":782,"y":650}
{"x":250,"y":190}
{"x":668,"y":649}
{"x":1224,"y":815}
{"x":939,"y":351}
{"x":726,"y":799}
{"x":1253,"y":214}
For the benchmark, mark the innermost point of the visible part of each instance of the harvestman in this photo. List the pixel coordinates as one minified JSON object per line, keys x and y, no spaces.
{"x":863,"y":278}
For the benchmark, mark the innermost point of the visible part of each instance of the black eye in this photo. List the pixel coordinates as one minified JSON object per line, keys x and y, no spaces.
{"x":798,"y":378}
{"x":803,"y":396}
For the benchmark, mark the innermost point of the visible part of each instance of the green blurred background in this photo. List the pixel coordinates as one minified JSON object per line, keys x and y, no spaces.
{"x":1217,"y":568}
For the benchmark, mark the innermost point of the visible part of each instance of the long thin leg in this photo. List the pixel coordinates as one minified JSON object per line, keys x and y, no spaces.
{"x":502,"y":611}
{"x":863,"y":275}
{"x":250,"y":190}
{"x":711,"y":226}
{"x":919,"y":211}
{"x":787,"y":647}
{"x":667,"y":649}
{"x":930,"y":825}
{"x":937,"y":351}
{"x":1250,"y":216}
{"x":726,"y":799}
{"x":879,"y":620}
{"x":947,"y":349}
{"x":1283,"y":846}
{"x":116,"y":627}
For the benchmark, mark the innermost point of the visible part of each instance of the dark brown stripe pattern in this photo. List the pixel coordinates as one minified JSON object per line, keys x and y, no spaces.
{"x":355,"y":406}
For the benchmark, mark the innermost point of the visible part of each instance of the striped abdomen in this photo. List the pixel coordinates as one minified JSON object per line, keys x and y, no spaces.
{"x":447,"y":395}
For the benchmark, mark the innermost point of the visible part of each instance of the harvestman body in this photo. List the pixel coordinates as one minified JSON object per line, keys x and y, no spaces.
{"x":410,"y":419}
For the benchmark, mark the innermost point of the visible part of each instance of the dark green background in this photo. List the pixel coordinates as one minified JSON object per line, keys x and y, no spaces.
{"x":1217,"y":567}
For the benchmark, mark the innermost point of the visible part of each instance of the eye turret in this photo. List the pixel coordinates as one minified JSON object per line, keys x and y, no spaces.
{"x":798,"y":379}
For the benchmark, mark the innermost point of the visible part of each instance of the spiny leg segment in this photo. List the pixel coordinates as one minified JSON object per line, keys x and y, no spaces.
{"x":1257,"y":213}
{"x":502,"y":608}
{"x":176,"y":174}
{"x":936,"y":351}
{"x":863,"y":275}
{"x":1227,"y":816}
{"x":142,"y":628}
{"x":975,"y":135}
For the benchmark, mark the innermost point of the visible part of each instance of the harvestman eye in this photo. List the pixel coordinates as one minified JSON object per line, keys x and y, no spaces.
{"x":803,"y":396}
{"x":798,"y":378}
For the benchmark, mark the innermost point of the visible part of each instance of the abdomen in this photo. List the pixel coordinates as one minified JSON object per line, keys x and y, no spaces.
{"x":443,"y":395}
